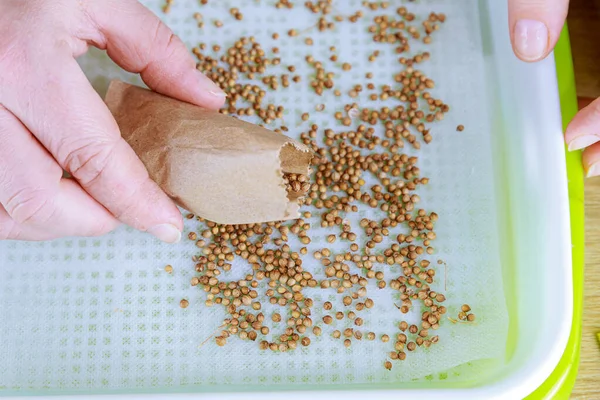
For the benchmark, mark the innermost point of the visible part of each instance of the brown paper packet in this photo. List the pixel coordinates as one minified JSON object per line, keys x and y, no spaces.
{"x":218,"y":167}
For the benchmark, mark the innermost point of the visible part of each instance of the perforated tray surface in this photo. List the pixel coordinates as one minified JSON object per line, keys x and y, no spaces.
{"x":102,"y":315}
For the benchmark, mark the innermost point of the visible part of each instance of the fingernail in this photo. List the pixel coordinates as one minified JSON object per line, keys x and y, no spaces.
{"x":220,"y":93}
{"x":166,"y":232}
{"x":210,"y":86}
{"x":531,"y":39}
{"x":593,"y":170}
{"x":582,"y":142}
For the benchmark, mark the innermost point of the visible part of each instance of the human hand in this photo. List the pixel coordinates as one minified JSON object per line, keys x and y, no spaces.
{"x":535,"y":29}
{"x":51,"y":118}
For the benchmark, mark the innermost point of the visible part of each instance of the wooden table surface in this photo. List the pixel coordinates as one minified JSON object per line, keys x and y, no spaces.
{"x":584,"y":26}
{"x":587,"y":385}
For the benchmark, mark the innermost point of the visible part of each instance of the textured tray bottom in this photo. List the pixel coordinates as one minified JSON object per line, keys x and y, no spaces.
{"x":101,"y":315}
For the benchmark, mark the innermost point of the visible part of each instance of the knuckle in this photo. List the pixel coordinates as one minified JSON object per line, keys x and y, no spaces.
{"x":30,"y":206}
{"x":161,"y":34}
{"x":168,"y":43}
{"x":87,"y":162}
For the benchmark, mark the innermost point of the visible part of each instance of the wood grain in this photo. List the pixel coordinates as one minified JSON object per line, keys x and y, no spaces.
{"x":584,"y":26}
{"x":587,"y":385}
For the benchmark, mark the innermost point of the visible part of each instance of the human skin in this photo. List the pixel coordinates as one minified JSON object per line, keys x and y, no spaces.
{"x":51,"y":119}
{"x":535,"y":29}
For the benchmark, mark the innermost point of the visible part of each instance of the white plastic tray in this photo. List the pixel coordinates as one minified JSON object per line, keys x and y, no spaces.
{"x":100,"y":316}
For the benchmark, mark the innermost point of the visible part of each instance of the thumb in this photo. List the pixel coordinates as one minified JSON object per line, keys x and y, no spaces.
{"x":535,"y":26}
{"x":139,"y":42}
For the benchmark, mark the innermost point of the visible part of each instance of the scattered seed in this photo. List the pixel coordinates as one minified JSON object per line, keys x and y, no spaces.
{"x":336,"y":188}
{"x":221,"y":341}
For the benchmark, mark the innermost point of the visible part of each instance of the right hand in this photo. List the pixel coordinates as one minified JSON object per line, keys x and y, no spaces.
{"x":51,"y":119}
{"x":535,"y":28}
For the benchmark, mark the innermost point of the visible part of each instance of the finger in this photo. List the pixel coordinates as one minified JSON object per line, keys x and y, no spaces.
{"x":591,"y":160}
{"x":535,"y":26}
{"x":139,"y":42}
{"x":584,"y":129}
{"x":72,"y":122}
{"x":35,"y":203}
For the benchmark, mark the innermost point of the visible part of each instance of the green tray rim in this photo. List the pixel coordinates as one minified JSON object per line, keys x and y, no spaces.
{"x":562,"y":380}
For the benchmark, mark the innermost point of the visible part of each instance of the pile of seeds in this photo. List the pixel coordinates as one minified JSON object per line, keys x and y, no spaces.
{"x":369,"y":146}
{"x":296,"y":184}
{"x":321,"y":80}
{"x":247,"y":60}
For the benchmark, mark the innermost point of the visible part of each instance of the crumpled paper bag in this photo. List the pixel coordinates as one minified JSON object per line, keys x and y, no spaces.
{"x":218,"y":167}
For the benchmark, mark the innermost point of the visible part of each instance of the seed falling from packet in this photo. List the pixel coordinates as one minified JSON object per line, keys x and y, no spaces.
{"x":218,"y":167}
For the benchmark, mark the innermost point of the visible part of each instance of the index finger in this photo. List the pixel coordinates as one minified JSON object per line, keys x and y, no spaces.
{"x":139,"y":42}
